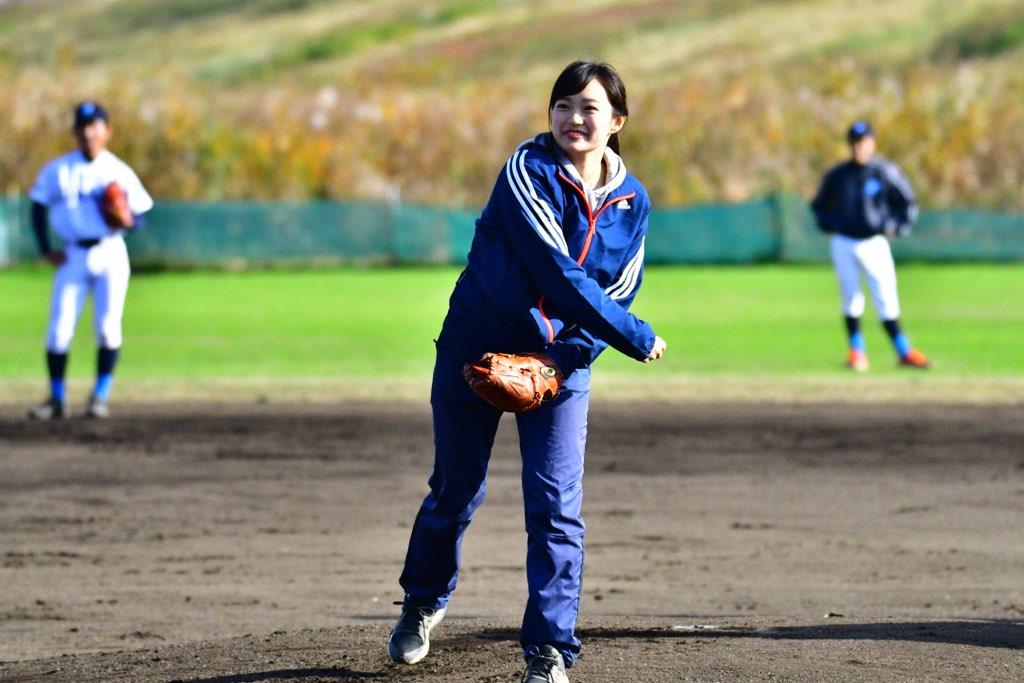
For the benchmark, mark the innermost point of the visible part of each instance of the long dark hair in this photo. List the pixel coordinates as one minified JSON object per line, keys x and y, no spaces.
{"x":575,"y":77}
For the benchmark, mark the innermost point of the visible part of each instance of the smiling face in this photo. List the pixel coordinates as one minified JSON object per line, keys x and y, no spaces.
{"x":92,"y":137}
{"x":582,"y":123}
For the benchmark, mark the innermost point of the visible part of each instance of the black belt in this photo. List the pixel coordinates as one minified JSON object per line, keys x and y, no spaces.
{"x":87,"y":244}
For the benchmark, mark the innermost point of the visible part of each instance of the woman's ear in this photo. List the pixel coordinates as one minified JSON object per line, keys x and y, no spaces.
{"x":618,"y":122}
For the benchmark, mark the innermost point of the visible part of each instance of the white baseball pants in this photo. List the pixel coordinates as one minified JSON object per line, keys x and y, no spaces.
{"x":872,"y":257}
{"x":104,"y":270}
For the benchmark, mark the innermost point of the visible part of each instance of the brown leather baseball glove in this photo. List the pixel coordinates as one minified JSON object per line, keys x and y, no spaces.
{"x":514,"y":382}
{"x":114,"y":207}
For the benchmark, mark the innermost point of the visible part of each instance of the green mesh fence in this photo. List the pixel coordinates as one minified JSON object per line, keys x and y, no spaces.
{"x":940,"y":235}
{"x":715,"y":233}
{"x":262,"y":233}
{"x":241,"y":234}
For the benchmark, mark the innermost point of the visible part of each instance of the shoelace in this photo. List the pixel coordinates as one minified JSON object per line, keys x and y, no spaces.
{"x":412,"y":619}
{"x":542,"y":664}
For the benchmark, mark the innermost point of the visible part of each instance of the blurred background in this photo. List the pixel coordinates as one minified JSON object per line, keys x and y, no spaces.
{"x":308,"y":133}
{"x":308,"y":99}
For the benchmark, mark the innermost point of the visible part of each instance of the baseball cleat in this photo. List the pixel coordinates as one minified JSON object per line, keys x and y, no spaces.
{"x":97,"y":408}
{"x":914,"y":359}
{"x":50,"y":409}
{"x":409,"y":641}
{"x":544,"y":665}
{"x":857,"y":360}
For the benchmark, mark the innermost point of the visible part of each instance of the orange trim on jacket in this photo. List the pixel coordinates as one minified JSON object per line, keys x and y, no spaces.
{"x":591,"y":229}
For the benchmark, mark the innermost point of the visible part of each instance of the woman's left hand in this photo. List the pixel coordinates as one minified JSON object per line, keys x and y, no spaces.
{"x":657,"y":350}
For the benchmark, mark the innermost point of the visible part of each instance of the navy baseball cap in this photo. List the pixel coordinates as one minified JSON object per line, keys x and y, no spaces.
{"x":88,"y":111}
{"x":858,"y":130}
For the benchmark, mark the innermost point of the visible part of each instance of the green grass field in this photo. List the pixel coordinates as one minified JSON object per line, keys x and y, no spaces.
{"x":745,"y":327}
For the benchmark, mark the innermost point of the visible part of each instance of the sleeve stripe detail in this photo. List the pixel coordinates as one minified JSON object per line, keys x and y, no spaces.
{"x":537,"y":212}
{"x":626,"y":283}
{"x":553,"y":225}
{"x":896,"y":177}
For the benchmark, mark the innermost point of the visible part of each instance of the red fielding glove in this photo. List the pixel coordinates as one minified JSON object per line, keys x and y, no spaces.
{"x":514,"y":382}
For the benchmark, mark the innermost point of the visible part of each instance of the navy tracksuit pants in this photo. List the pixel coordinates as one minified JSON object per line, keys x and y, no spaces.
{"x":551,"y":441}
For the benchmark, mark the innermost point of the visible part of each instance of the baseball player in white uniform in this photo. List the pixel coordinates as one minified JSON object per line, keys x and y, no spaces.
{"x":863,"y":203}
{"x":67,"y":196}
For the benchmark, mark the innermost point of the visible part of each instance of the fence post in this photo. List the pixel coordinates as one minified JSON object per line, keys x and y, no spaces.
{"x":4,"y":241}
{"x":778,"y":221}
{"x":10,"y":214}
{"x":392,"y":214}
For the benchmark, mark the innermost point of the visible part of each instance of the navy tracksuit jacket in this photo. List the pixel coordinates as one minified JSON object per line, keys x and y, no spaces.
{"x":546,"y":272}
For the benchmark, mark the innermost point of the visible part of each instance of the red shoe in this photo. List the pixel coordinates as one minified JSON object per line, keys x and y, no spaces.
{"x":914,"y":359}
{"x":857,"y":360}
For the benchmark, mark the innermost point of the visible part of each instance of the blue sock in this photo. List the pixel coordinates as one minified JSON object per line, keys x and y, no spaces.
{"x":102,"y":390}
{"x":57,"y":389}
{"x":106,"y":360}
{"x":853,"y":332}
{"x":899,"y":340}
{"x":56,"y":364}
{"x":902,"y":344}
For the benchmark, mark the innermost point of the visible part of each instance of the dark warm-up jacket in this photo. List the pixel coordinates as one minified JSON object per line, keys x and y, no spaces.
{"x":863,"y":201}
{"x":546,"y":272}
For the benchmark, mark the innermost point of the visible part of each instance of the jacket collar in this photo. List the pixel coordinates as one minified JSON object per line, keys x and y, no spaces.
{"x":595,"y":196}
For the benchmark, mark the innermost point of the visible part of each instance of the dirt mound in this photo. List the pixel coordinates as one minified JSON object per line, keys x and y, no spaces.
{"x":263,"y":542}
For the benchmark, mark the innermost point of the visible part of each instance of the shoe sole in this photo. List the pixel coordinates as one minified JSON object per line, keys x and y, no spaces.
{"x":419,"y":653}
{"x":860,"y":365}
{"x":413,"y":657}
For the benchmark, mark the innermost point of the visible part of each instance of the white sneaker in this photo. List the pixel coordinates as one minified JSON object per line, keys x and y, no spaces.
{"x":409,"y":641}
{"x":545,"y":666}
{"x":97,"y":408}
{"x":50,"y":409}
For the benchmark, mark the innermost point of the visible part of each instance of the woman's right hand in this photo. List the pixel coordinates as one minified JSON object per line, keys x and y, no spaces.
{"x":657,"y":350}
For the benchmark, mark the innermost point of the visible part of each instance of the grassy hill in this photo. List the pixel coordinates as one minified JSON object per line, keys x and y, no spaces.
{"x":423,"y":100}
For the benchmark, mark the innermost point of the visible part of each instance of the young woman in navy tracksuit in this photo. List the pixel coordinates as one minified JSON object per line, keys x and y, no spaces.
{"x":555,"y":263}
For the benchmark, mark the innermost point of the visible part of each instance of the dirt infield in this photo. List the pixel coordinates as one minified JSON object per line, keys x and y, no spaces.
{"x":237,"y":543}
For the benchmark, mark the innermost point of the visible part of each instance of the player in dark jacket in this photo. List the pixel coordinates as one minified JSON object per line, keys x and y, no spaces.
{"x":863,"y":203}
{"x":556,"y":260}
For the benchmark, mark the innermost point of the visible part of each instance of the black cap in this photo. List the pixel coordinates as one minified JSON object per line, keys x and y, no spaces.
{"x":858,"y":130}
{"x":87,"y":112}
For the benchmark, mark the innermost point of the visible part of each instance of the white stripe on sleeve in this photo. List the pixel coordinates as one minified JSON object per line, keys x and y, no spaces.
{"x":626,"y":283}
{"x":538,"y":213}
{"x":897,"y":178}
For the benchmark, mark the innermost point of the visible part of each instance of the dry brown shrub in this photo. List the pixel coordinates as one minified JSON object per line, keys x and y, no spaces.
{"x":955,"y":128}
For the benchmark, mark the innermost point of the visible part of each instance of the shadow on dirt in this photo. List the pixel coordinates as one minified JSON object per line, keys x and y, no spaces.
{"x":333,"y":673}
{"x":999,"y":633}
{"x":993,"y":633}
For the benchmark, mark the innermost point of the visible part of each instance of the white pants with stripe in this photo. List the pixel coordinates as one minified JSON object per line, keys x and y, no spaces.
{"x":103,"y":270}
{"x":872,"y":257}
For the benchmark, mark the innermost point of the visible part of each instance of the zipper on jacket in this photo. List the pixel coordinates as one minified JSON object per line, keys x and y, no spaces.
{"x":591,"y":216}
{"x":591,"y":229}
